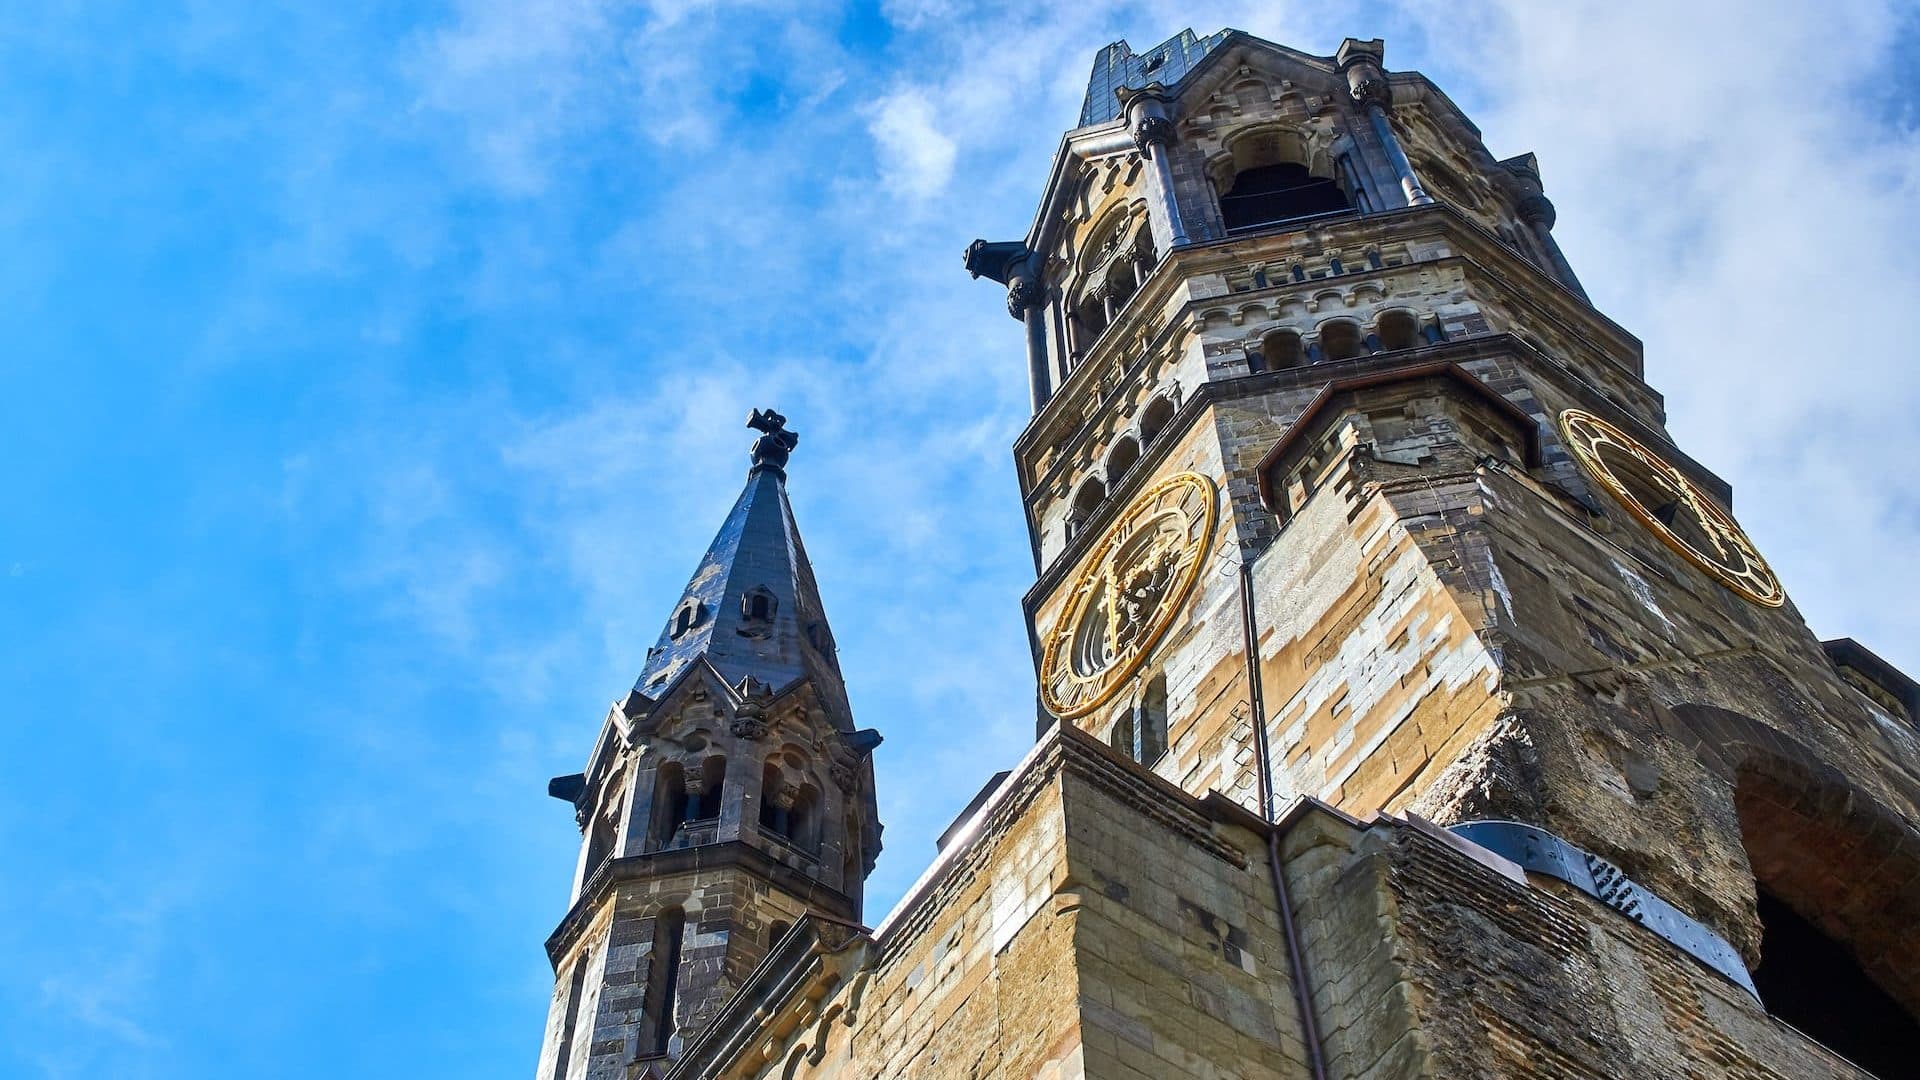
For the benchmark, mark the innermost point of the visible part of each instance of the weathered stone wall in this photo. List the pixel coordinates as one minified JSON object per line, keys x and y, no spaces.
{"x":1428,"y":962}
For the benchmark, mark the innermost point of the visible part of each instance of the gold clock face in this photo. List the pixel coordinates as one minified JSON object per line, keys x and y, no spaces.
{"x":1678,"y":510}
{"x":1130,"y":588}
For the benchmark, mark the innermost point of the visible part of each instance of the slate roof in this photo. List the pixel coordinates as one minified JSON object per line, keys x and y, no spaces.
{"x":758,"y":547}
{"x":1118,"y":65}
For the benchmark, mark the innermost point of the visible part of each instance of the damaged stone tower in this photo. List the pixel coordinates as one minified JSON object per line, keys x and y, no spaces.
{"x":1410,"y":704}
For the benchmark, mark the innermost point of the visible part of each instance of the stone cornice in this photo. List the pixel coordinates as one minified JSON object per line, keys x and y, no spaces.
{"x":1463,"y":351}
{"x":655,"y":865}
{"x":1472,"y":246}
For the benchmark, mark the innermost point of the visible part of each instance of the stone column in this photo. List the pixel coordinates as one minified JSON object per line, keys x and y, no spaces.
{"x":1019,"y":268}
{"x":1153,"y":133}
{"x":1367,"y":81}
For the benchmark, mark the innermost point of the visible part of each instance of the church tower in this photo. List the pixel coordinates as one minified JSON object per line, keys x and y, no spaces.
{"x":728,"y":795}
{"x":1340,"y":489}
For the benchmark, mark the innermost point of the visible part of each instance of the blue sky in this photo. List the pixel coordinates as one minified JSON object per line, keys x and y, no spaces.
{"x":371,"y":380}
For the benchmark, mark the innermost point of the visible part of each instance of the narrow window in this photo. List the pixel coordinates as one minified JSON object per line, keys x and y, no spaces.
{"x":663,"y":977}
{"x":1121,"y":737}
{"x":758,"y":605}
{"x":669,"y":805}
{"x":1122,"y":457}
{"x":600,"y":843}
{"x":563,"y":1054}
{"x":1088,"y":499}
{"x":1154,"y":420}
{"x":1150,"y":722}
{"x":685,"y":618}
{"x":775,"y":802}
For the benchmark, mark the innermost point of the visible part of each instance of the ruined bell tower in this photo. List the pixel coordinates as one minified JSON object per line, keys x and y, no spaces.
{"x":1340,"y":488}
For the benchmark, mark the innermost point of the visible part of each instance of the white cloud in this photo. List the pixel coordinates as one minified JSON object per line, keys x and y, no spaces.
{"x":916,"y":157}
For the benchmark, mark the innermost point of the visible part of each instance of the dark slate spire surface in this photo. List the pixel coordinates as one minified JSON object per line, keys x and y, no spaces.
{"x":753,"y":608}
{"x":1118,"y":65}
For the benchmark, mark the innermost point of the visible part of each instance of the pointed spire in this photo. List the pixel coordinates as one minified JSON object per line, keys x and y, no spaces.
{"x":753,"y":609}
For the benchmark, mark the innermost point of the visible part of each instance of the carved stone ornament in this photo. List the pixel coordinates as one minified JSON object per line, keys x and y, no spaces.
{"x":842,"y":775}
{"x":1023,"y":293}
{"x":1370,"y":88}
{"x":1153,"y":131}
{"x":783,"y":796}
{"x":750,"y":718}
{"x":1537,"y":210}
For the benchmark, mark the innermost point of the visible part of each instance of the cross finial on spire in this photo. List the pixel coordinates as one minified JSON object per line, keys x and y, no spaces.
{"x":771,"y":449}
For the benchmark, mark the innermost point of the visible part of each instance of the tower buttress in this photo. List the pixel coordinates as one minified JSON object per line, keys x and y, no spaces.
{"x":727,"y":795}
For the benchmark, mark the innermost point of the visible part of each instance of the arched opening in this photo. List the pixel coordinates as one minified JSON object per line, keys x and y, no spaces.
{"x":1088,"y":319}
{"x":601,"y":840}
{"x":1087,"y":500}
{"x":1282,"y":349}
{"x":1122,"y":457}
{"x":789,"y":811}
{"x":1121,"y":284}
{"x":1811,"y":981}
{"x":685,"y":619}
{"x":1339,"y":340}
{"x":758,"y":604}
{"x":1121,"y":737}
{"x":1154,"y":420}
{"x":663,"y":978}
{"x":1398,"y":330}
{"x":1150,"y":721}
{"x":1269,"y":195}
{"x":775,"y":931}
{"x":1838,"y":955}
{"x":669,"y":804}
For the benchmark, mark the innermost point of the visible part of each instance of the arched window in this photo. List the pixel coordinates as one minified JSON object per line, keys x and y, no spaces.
{"x":1121,"y":284}
{"x":758,"y":604}
{"x":1088,"y":499}
{"x":601,"y":840}
{"x":1150,"y":721}
{"x":663,"y":978}
{"x":1398,"y":330}
{"x":686,"y":618}
{"x":1832,"y":962}
{"x":788,"y":811}
{"x":1339,"y":340}
{"x":669,"y":805}
{"x":1154,"y":420}
{"x":1268,"y":195}
{"x":1282,"y":349}
{"x":1089,"y":319}
{"x":703,"y":797}
{"x":1122,"y":457}
{"x":1140,"y":730}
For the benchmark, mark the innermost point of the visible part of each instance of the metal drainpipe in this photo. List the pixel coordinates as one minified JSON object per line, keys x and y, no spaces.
{"x":1296,"y":958}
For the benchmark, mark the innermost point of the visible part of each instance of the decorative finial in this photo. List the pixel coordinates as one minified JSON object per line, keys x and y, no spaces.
{"x":771,"y":449}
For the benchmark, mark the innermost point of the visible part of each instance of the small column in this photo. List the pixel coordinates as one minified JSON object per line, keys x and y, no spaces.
{"x":1153,"y":133}
{"x":1367,"y":81}
{"x":1018,"y":267}
{"x":1537,"y":213}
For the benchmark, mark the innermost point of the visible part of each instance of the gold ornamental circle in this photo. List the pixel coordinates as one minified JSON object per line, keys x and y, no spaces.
{"x":1128,"y":591}
{"x":1733,"y":560}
